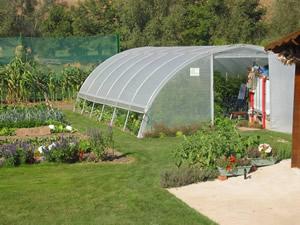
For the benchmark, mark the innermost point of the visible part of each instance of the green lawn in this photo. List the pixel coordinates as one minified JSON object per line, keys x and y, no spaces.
{"x":96,"y":194}
{"x":101,"y":194}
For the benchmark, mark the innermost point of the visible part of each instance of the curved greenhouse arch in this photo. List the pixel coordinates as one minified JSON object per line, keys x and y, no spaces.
{"x":133,"y":79}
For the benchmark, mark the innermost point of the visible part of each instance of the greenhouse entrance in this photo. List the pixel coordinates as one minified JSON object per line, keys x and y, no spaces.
{"x":167,"y":88}
{"x":242,"y":89}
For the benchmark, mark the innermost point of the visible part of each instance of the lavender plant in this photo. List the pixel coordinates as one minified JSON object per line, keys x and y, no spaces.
{"x":16,"y":153}
{"x":65,"y":150}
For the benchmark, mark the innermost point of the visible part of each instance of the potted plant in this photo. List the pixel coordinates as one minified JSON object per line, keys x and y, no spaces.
{"x":232,"y":166}
{"x":262,"y":156}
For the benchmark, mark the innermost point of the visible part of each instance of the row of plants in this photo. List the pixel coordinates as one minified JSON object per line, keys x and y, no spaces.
{"x":25,"y":80}
{"x":186,"y":175}
{"x":220,"y":148}
{"x":161,"y":130}
{"x":105,"y":116}
{"x":28,"y":116}
{"x":134,"y":121}
{"x":97,"y":146}
{"x":7,"y":131}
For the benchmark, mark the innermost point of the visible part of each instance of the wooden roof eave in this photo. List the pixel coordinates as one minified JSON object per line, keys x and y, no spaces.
{"x":287,"y":48}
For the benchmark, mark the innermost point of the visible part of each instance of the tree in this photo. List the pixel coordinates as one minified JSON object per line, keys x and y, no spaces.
{"x":285,"y":18}
{"x":133,"y":18}
{"x":201,"y":19}
{"x":58,"y":22}
{"x":99,"y":18}
{"x":242,"y":23}
{"x":18,"y":17}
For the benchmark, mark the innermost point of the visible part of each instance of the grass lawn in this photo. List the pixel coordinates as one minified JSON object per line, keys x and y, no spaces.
{"x":101,"y":193}
{"x":96,"y":194}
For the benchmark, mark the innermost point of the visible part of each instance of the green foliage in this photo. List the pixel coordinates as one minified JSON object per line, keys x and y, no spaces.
{"x":58,"y":23}
{"x":209,"y":144}
{"x":6,"y":131}
{"x":18,"y":79}
{"x":187,"y":175}
{"x":24,"y":80}
{"x":100,"y":18}
{"x":226,"y":90}
{"x":231,"y":163}
{"x":159,"y":22}
{"x":241,"y":22}
{"x":160,"y":130}
{"x":100,"y":142}
{"x":65,"y":150}
{"x":201,"y":21}
{"x":16,"y":153}
{"x":285,"y":18}
{"x":18,"y":17}
{"x":133,"y":122}
{"x":21,"y":116}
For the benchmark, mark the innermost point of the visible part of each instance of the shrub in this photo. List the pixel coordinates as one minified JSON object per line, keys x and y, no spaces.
{"x":210,"y":143}
{"x":282,"y":153}
{"x":17,"y":153}
{"x":187,"y":175}
{"x":100,"y":142}
{"x":65,"y":150}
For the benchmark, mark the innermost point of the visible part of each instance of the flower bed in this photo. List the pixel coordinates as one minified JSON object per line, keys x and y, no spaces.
{"x":222,"y":147}
{"x":98,"y":146}
{"x":231,"y":166}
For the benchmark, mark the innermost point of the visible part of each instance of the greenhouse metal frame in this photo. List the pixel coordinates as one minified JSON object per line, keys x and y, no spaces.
{"x":149,"y":80}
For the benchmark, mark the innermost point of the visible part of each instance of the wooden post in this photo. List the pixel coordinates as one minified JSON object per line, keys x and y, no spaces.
{"x":296,"y":123}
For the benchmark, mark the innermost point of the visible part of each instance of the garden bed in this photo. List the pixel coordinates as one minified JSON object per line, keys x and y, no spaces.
{"x":25,"y":137}
{"x":115,"y":157}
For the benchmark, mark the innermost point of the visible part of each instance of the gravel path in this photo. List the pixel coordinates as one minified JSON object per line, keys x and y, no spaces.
{"x":270,"y":197}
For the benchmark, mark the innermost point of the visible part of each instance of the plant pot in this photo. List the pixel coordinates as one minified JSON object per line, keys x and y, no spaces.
{"x":263,"y":162}
{"x":237,"y":171}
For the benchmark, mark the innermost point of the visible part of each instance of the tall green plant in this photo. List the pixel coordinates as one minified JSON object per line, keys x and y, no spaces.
{"x":210,"y":143}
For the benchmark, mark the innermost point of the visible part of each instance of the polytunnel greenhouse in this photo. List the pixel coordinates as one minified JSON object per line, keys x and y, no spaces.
{"x":167,"y":85}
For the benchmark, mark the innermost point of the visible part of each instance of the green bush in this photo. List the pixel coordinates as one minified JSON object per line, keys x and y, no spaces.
{"x":210,"y":143}
{"x":99,"y":142}
{"x":187,"y":175}
{"x":65,"y":150}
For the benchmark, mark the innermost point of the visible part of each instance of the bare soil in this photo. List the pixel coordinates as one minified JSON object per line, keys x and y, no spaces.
{"x":32,"y":132}
{"x":33,"y":135}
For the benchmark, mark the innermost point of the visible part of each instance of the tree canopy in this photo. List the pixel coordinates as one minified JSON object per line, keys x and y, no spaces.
{"x":152,"y":22}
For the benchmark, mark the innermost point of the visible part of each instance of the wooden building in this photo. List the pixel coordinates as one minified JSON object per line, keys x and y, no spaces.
{"x":288,"y":51}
